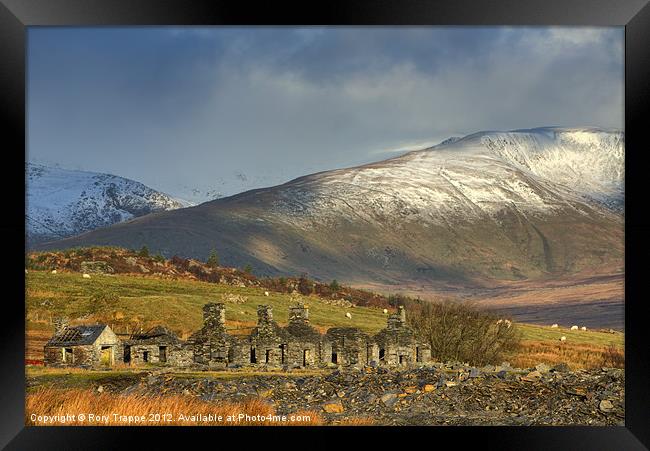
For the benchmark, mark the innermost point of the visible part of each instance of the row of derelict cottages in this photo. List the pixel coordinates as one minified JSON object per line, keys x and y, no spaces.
{"x":297,"y":345}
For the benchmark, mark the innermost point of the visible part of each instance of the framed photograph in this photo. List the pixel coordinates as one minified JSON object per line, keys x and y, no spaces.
{"x":353,"y":215}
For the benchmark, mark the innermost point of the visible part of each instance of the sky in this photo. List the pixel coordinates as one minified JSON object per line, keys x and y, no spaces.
{"x":232,"y":108}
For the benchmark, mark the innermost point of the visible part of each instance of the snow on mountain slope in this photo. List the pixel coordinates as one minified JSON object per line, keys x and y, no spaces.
{"x":63,"y":202}
{"x":539,"y":171}
{"x":589,"y":161}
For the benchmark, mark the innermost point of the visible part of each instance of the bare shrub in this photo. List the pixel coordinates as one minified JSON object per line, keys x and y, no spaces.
{"x":461,"y":332}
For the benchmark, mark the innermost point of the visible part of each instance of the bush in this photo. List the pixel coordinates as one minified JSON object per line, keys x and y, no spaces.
{"x":248,"y":269}
{"x":143,"y":252}
{"x":461,"y":332}
{"x":334,"y":286}
{"x":159,"y":258}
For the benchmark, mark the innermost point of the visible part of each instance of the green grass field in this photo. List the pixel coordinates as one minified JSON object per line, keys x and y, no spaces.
{"x":176,"y":303}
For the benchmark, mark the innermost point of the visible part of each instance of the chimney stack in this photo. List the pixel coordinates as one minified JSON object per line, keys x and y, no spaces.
{"x":214,"y":315}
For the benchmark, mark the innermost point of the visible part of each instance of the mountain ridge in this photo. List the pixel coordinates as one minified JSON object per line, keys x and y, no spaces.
{"x":490,"y":205}
{"x":66,"y":202}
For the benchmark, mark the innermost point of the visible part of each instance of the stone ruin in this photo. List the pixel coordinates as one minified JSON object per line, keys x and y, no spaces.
{"x":298,"y":345}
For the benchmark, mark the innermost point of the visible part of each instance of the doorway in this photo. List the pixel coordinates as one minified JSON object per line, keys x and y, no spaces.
{"x":162,"y":354}
{"x":306,"y":357}
{"x":106,"y":355}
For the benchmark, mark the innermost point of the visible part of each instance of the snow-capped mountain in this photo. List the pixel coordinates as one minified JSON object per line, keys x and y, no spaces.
{"x":518,"y":204}
{"x":62,"y":203}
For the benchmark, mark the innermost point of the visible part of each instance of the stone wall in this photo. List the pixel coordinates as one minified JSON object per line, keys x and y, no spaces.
{"x":212,"y":345}
{"x":268,"y":342}
{"x":176,"y":355}
{"x":398,"y":343}
{"x":346,"y":346}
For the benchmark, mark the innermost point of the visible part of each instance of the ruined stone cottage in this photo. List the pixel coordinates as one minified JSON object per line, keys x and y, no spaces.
{"x":298,"y":344}
{"x":83,"y":346}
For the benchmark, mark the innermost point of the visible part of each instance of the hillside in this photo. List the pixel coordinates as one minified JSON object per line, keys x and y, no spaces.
{"x":525,"y":204}
{"x":62,"y":202}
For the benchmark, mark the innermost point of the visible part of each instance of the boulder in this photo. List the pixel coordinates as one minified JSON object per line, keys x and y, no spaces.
{"x":333,"y":406}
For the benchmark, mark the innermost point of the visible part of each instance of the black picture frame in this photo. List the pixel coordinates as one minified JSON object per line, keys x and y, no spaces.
{"x":634,"y":15}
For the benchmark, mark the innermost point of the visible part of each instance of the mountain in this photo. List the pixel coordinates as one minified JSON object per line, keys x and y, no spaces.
{"x":523,"y":204}
{"x":62,"y":203}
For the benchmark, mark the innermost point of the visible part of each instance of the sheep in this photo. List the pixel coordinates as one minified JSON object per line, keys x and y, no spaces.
{"x":499,"y":322}
{"x":562,"y":338}
{"x":554,"y":326}
{"x":508,"y":323}
{"x":583,"y":328}
{"x":385,"y":311}
{"x":348,"y":315}
{"x":54,"y":271}
{"x":574,"y":327}
{"x":86,"y":276}
{"x":266,"y":293}
{"x":25,"y":271}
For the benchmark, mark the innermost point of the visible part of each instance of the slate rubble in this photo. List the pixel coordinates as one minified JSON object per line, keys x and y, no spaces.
{"x":437,"y":394}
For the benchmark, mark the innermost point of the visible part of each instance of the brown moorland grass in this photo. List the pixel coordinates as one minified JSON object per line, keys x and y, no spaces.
{"x":116,"y":409}
{"x":52,"y":402}
{"x":576,"y":355}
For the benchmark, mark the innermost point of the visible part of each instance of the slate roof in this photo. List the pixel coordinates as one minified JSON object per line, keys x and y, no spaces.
{"x":77,"y":336}
{"x":158,"y":334}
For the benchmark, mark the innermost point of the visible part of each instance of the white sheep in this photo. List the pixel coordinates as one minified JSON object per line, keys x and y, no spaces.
{"x":266,"y":293}
{"x":86,"y":276}
{"x":562,"y":338}
{"x":499,"y":322}
{"x":554,"y":326}
{"x":574,"y":327}
{"x":25,"y":271}
{"x":348,"y":315}
{"x":385,"y":310}
{"x":54,"y":271}
{"x":583,"y":328}
{"x":508,"y":323}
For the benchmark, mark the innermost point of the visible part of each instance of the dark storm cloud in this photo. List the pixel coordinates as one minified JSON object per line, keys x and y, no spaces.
{"x":193,"y":105}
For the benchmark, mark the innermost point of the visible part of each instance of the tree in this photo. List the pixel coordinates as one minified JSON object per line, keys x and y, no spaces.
{"x":334,"y":286}
{"x":213,"y":259}
{"x":248,"y":269}
{"x":305,"y":286}
{"x":144,"y":251}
